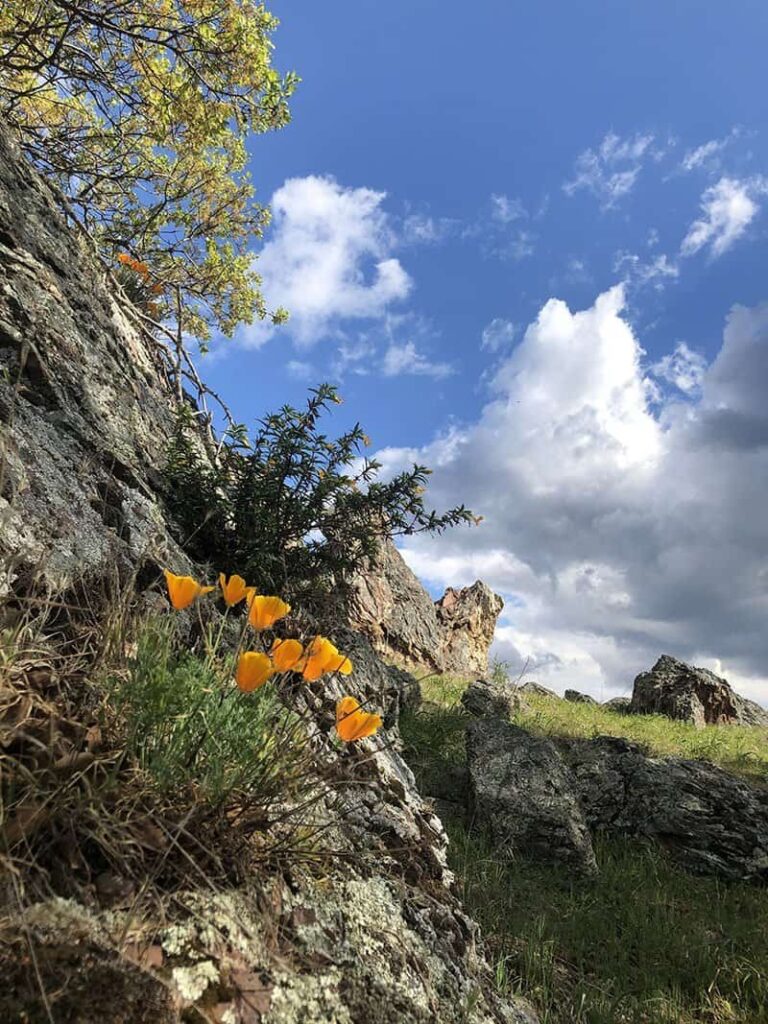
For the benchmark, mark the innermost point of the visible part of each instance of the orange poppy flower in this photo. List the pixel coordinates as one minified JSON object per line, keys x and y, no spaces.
{"x":253,"y":670}
{"x":265,"y":611}
{"x":183,"y":590}
{"x":286,"y":654}
{"x":234,"y":590}
{"x":352,"y":723}
{"x":321,"y":657}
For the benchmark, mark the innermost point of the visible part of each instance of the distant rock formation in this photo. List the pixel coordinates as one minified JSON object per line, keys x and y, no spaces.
{"x":577,"y":697}
{"x":388,"y":604}
{"x":468,"y":620}
{"x":690,"y":694}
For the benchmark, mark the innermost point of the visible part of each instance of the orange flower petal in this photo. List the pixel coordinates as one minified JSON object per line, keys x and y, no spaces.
{"x":183,"y":590}
{"x":253,"y":670}
{"x":322,"y":657}
{"x":264,"y":611}
{"x":352,"y":723}
{"x":287,"y":654}
{"x":233,"y":590}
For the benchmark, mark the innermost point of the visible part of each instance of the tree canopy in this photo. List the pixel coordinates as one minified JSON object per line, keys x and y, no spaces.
{"x":140,"y":110}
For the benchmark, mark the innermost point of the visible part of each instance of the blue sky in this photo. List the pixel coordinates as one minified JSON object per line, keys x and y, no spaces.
{"x":513,"y":234}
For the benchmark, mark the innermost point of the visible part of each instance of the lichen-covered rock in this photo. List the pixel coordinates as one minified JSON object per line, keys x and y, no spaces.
{"x":690,"y":694}
{"x":522,"y":796}
{"x":621,"y":705}
{"x":468,"y":620}
{"x":86,"y":412}
{"x":576,"y":697}
{"x":486,"y":697}
{"x":711,"y":821}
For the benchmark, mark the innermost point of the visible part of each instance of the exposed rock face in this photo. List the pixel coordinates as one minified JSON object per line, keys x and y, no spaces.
{"x":86,"y":415}
{"x":690,"y":694}
{"x":468,"y":619}
{"x":484,"y":697}
{"x":522,"y":795}
{"x":711,"y":821}
{"x":390,"y":606}
{"x":575,"y":697}
{"x":377,"y":936}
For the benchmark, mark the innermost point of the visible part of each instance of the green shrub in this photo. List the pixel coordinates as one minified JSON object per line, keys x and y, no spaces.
{"x":292,"y":509}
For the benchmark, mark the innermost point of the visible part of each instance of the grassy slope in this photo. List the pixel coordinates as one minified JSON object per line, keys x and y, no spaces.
{"x":644,"y":942}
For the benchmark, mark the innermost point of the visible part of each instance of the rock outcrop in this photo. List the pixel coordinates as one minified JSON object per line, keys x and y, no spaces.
{"x":535,"y":689}
{"x":484,"y":697}
{"x":522,"y":797}
{"x":711,"y":821}
{"x":86,"y":411}
{"x":621,"y":705}
{"x":373,"y":931}
{"x":392,"y":609}
{"x":389,"y":605}
{"x":468,"y":620}
{"x":576,"y":697}
{"x":690,"y":694}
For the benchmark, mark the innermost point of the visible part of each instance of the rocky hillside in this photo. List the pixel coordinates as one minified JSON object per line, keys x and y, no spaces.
{"x":368,"y":930}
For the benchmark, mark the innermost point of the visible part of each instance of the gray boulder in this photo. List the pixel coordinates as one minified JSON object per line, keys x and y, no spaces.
{"x":484,"y":697}
{"x":575,"y":697}
{"x":522,"y":796}
{"x":537,"y":690}
{"x":711,"y":821}
{"x":621,"y":705}
{"x":690,"y":694}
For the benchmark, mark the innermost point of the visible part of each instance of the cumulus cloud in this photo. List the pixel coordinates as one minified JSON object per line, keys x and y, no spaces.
{"x":611,"y":170}
{"x":682,"y":368}
{"x":616,"y":528}
{"x":328,"y":259}
{"x":728,"y":208}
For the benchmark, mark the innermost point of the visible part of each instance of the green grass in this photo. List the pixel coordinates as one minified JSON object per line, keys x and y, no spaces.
{"x":185,"y":723}
{"x":741,"y":749}
{"x":644,"y":942}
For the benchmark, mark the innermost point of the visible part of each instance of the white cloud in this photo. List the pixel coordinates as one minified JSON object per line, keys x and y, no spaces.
{"x":423,"y":229}
{"x":616,"y":530}
{"x":299,"y":369}
{"x":506,"y":210}
{"x":406,"y":359}
{"x":328,"y":259}
{"x":498,"y":334}
{"x":728,"y":209}
{"x":683,"y":368}
{"x":707,"y":155}
{"x":611,"y":170}
{"x":656,"y":270}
